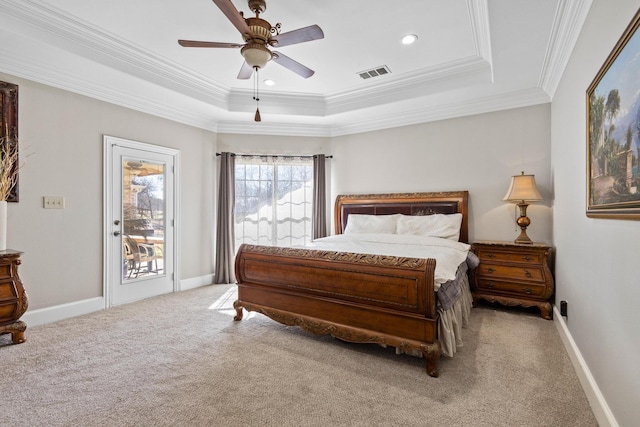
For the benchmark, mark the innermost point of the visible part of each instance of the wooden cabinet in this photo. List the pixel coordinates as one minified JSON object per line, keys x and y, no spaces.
{"x":514,"y":274}
{"x":13,"y":298}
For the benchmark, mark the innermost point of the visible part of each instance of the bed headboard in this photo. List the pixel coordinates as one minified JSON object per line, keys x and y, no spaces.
{"x":446,"y":202}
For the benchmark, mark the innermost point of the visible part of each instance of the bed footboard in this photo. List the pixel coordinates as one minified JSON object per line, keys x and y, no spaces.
{"x":354,"y":297}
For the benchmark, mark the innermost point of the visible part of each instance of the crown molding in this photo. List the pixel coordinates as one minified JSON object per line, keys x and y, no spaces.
{"x":567,"y":24}
{"x":377,"y":117}
{"x":249,"y":127}
{"x":479,"y":17}
{"x":79,"y":37}
{"x":488,"y":104}
{"x":378,"y":120}
{"x":38,"y":72}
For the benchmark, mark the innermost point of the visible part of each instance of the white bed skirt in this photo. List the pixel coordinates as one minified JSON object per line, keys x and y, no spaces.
{"x":451,"y":321}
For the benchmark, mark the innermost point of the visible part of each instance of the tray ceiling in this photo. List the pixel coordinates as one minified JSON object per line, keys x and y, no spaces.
{"x":471,"y":56}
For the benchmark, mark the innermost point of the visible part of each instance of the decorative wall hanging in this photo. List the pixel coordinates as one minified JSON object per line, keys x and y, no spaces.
{"x":613,"y":132}
{"x":9,"y":139}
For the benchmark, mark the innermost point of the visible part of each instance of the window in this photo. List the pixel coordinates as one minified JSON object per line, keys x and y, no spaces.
{"x":273,"y":204}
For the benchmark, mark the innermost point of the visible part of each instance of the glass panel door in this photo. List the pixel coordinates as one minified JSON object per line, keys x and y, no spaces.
{"x":140,"y":221}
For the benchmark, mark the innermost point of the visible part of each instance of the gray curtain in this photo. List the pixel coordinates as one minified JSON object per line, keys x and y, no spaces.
{"x":319,"y":217}
{"x":225,"y":240}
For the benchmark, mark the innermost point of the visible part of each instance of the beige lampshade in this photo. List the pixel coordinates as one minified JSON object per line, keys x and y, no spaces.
{"x":523,"y":187}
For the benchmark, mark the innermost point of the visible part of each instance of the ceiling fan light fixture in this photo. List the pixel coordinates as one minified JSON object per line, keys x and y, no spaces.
{"x":409,"y":39}
{"x":256,"y":55}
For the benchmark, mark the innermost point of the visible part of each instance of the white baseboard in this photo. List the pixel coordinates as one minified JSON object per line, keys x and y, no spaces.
{"x":78,"y":308}
{"x":599,"y":405}
{"x":196,"y":282}
{"x":63,"y":311}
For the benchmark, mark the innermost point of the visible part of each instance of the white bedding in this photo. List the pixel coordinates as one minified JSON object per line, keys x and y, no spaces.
{"x":448,"y":254}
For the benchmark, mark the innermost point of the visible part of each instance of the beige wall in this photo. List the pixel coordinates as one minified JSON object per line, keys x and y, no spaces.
{"x":597,"y":259}
{"x":477,"y":153}
{"x":63,"y":250}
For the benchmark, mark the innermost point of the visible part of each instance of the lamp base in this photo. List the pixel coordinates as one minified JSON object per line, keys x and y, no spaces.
{"x":523,"y":239}
{"x":523,"y":222}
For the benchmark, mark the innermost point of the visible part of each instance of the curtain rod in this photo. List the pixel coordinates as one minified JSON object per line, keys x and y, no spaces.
{"x":275,"y":155}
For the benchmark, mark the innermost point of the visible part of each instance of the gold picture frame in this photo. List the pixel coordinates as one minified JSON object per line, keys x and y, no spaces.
{"x":9,"y":124}
{"x":613,"y":132}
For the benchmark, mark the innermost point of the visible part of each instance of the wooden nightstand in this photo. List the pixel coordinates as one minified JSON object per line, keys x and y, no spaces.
{"x":514,"y":274}
{"x":13,"y":298}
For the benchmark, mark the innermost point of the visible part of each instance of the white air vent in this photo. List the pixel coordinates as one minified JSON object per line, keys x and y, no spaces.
{"x":375,"y":72}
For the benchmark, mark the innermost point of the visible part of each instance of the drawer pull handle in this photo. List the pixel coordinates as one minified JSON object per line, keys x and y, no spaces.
{"x":527,"y":258}
{"x":527,"y":291}
{"x":491,"y":256}
{"x":490,"y":270}
{"x":490,"y":285}
{"x":527,"y":273}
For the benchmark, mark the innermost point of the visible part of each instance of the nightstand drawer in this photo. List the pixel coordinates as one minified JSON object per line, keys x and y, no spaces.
{"x":510,"y":272}
{"x":488,"y":254}
{"x":528,"y":290}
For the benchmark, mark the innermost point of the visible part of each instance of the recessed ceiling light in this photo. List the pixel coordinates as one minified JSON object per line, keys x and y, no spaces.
{"x":409,"y":39}
{"x":269,"y":82}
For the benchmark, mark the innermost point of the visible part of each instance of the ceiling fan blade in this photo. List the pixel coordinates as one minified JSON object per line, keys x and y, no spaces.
{"x":245,"y":72}
{"x":301,"y":35}
{"x":234,"y":16}
{"x":294,"y":66}
{"x":195,"y":43}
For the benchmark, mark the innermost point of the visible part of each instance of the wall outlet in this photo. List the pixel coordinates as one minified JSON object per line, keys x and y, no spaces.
{"x":51,"y":202}
{"x":563,"y":309}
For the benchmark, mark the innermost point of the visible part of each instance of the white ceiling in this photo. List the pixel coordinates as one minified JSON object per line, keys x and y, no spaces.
{"x":472,"y":56}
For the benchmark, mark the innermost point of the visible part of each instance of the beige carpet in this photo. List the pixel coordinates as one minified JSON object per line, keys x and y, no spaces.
{"x":181,"y":360}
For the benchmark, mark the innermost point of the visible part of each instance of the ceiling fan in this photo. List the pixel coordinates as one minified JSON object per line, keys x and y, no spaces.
{"x":259,"y":37}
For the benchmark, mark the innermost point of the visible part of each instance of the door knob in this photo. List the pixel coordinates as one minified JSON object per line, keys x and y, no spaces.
{"x":116,"y":233}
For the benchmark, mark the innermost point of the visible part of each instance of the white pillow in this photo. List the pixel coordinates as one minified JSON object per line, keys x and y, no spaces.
{"x":375,"y":224}
{"x":436,"y":225}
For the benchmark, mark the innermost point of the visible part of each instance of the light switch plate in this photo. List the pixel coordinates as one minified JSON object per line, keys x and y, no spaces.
{"x":53,"y":202}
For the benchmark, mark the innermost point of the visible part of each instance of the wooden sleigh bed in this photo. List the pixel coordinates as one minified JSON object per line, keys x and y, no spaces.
{"x":354,"y":297}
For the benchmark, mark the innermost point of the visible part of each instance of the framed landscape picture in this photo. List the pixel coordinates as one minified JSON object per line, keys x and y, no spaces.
{"x":613,"y":132}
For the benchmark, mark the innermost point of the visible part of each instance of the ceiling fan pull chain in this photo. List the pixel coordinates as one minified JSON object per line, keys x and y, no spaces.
{"x":256,"y":95}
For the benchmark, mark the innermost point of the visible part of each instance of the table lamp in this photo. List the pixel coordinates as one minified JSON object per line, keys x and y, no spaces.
{"x":522,"y":190}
